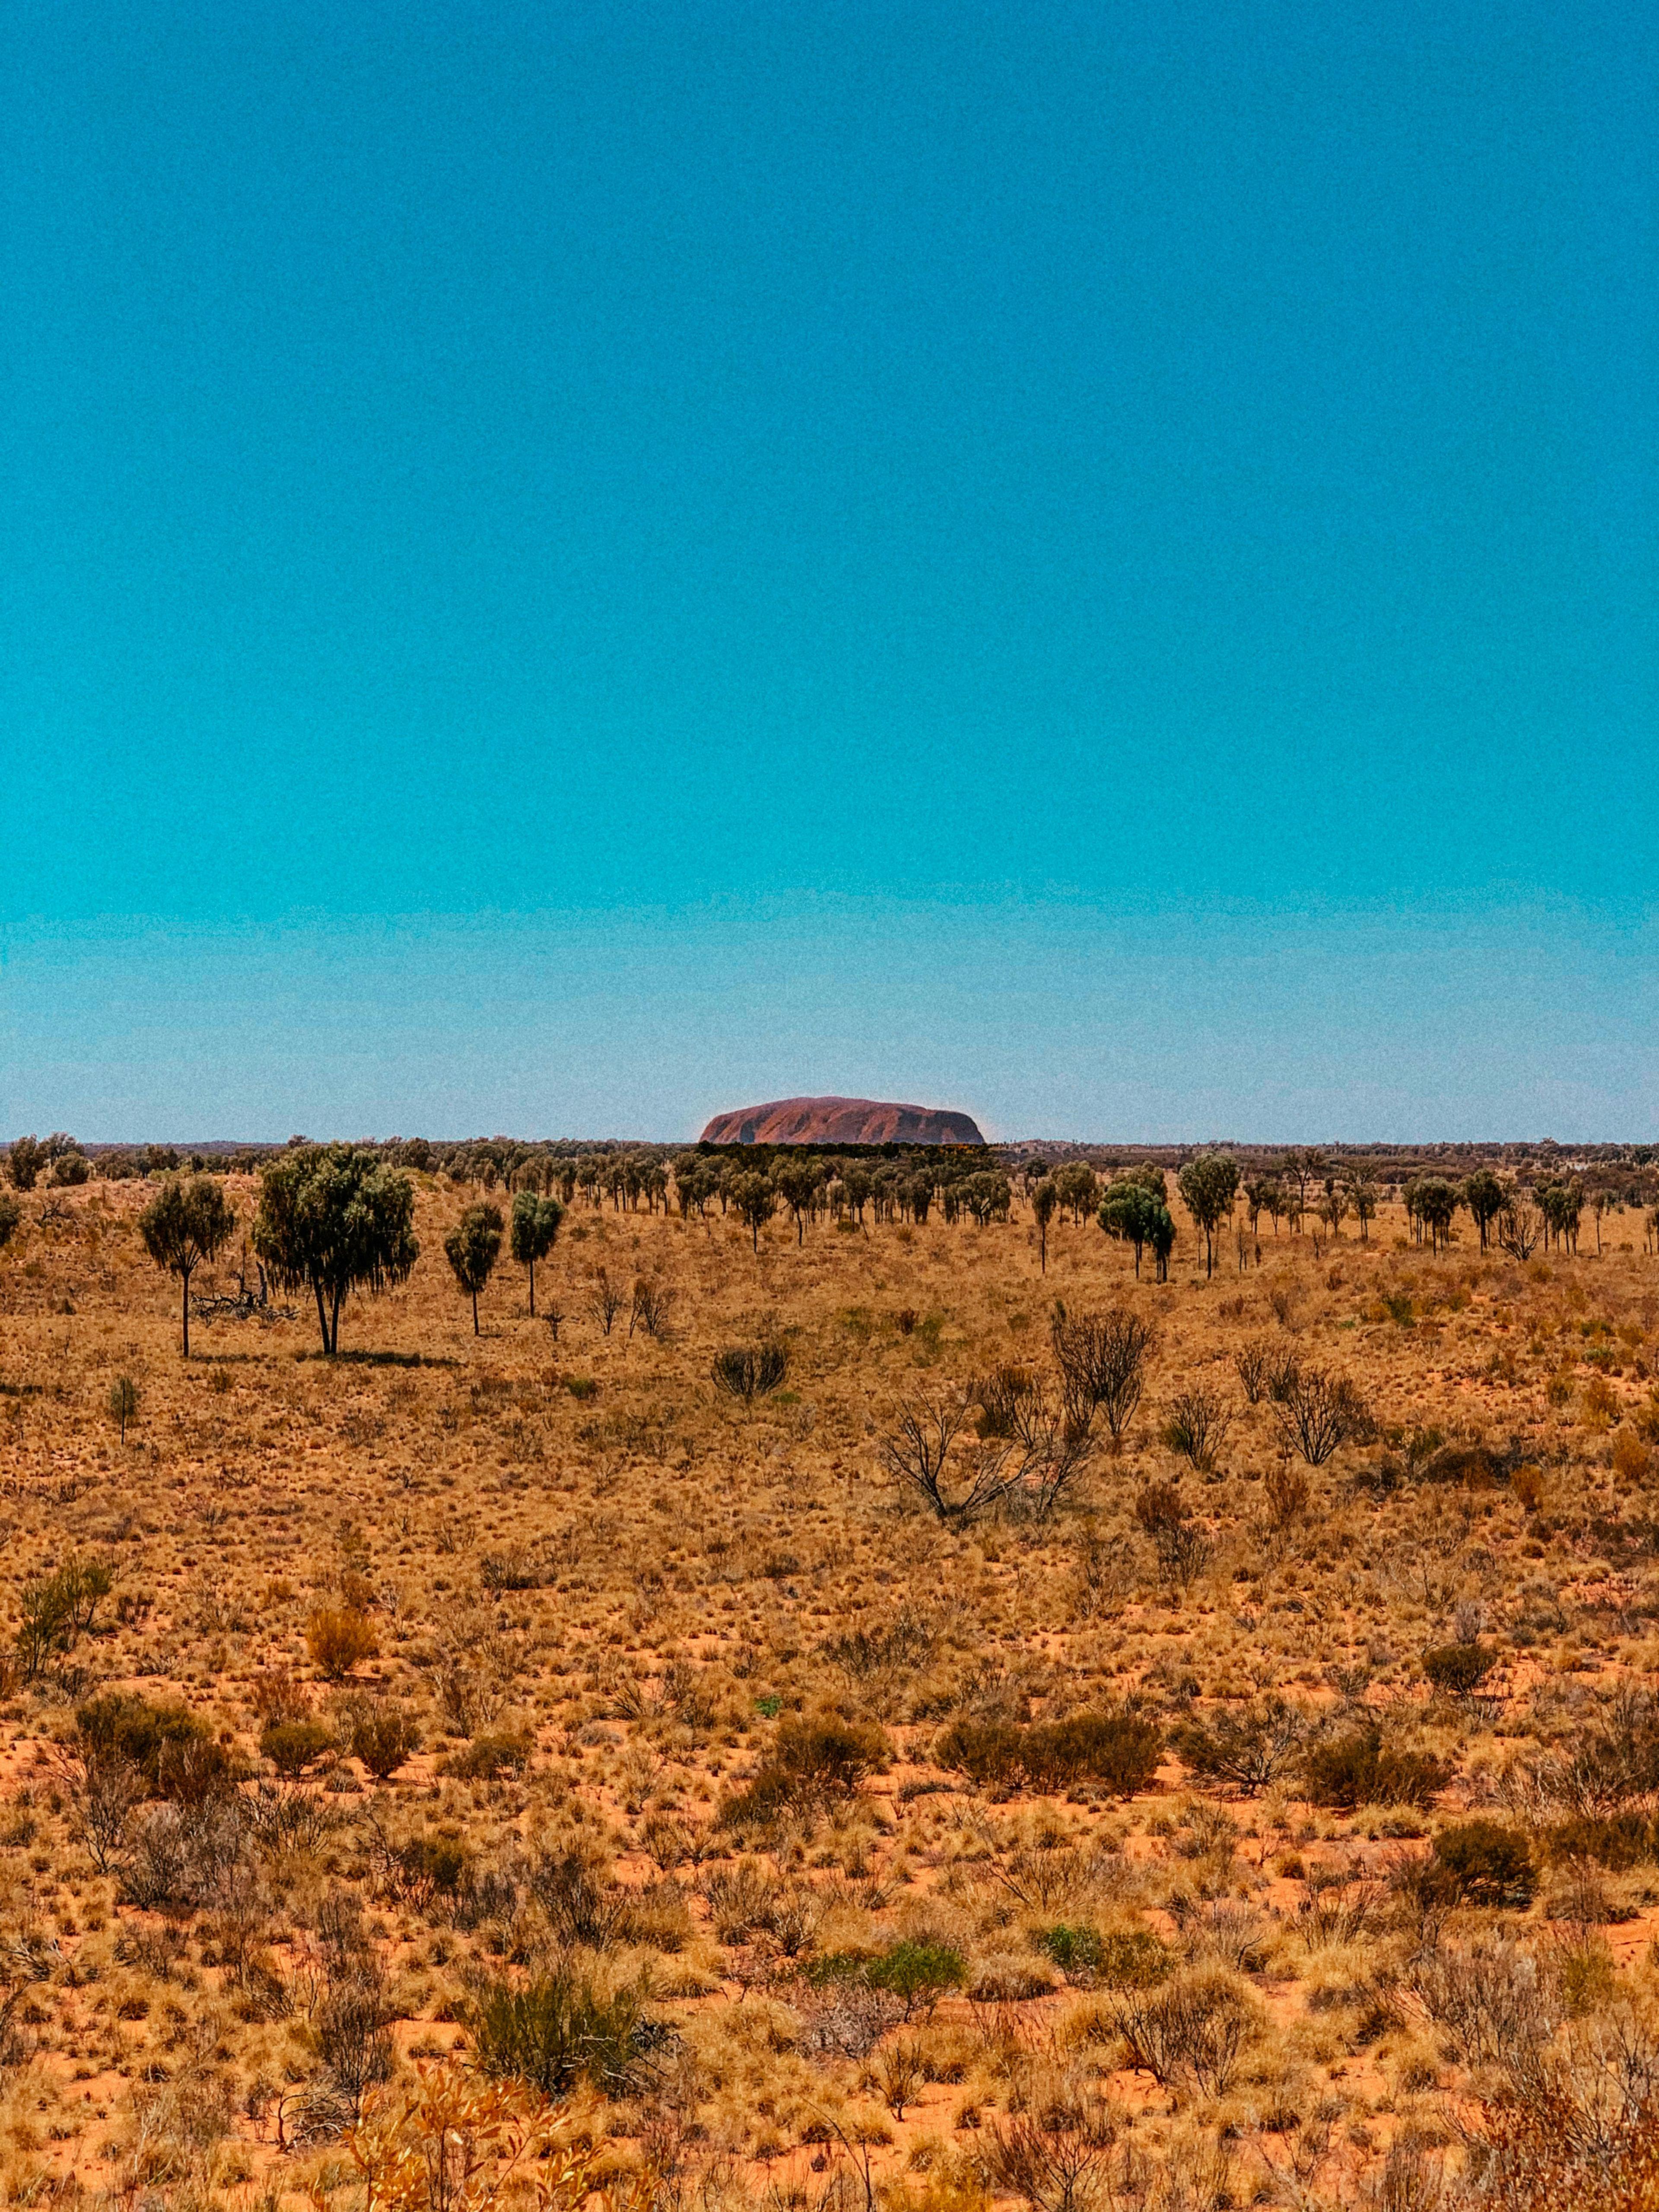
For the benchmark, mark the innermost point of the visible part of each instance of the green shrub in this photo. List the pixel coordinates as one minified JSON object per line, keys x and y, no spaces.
{"x":1074,"y":1950}
{"x":59,"y":1610}
{"x":1118,"y":1749}
{"x":155,"y":1739}
{"x":1459,"y":1669}
{"x":1482,"y":1862}
{"x":1356,"y":1770}
{"x":1125,"y":1959}
{"x":918,"y":1973}
{"x":292,"y":1746}
{"x":552,"y":2031}
{"x":488,"y":1757}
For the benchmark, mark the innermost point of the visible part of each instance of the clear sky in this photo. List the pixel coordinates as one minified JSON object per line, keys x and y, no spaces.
{"x":562,"y":567}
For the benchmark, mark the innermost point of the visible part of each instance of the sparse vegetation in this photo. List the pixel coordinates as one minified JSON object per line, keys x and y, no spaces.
{"x":856,"y":1693}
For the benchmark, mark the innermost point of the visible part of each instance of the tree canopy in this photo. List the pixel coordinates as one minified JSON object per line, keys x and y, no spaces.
{"x":334,"y":1218}
{"x":1128,"y":1212}
{"x":472,"y":1247}
{"x":184,"y":1224}
{"x":1208,"y":1186}
{"x":535,"y":1225}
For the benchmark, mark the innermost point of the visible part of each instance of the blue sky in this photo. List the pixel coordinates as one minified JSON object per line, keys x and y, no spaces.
{"x":567,"y":568}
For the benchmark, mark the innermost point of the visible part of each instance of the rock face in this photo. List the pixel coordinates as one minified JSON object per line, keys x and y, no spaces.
{"x":842,"y":1121}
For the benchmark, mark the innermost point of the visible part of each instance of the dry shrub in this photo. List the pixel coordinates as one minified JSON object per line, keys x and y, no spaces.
{"x":1318,"y":1411}
{"x":1188,"y":2034}
{"x":1118,"y":1750}
{"x":489,"y":1756}
{"x":1459,"y":1669}
{"x":1248,"y":1746}
{"x":338,"y":1639}
{"x":1287,"y":1493}
{"x":449,"y":2142}
{"x":1598,"y":1403}
{"x":383,"y":1736}
{"x":813,"y":1763}
{"x":1197,"y":1426}
{"x":1358,"y":1768}
{"x":1632,"y":1460}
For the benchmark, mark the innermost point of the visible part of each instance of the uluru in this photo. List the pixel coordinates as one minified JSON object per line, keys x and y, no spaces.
{"x":842,"y":1121}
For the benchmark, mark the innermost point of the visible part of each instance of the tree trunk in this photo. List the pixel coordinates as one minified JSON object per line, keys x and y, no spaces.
{"x":322,"y":1316}
{"x":476,"y":1331}
{"x":184,"y":1274}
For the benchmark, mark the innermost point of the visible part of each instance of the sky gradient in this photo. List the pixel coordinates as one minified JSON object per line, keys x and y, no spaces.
{"x":567,"y":568}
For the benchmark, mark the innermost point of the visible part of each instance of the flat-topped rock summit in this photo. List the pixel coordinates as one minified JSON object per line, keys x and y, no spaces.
{"x":842,"y":1121}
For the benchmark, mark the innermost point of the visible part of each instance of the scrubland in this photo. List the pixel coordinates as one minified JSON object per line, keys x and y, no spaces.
{"x":724,"y":1792}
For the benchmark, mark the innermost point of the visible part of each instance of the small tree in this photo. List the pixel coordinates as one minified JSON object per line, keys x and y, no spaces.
{"x":184,"y":1224}
{"x":123,"y":1402}
{"x":1129,"y":1210}
{"x":1045,"y":1197}
{"x":1362,"y":1196}
{"x":1436,"y":1204}
{"x":1208,"y":1186}
{"x":535,"y":1225}
{"x":10,"y":1214}
{"x":1161,"y":1237}
{"x":472,"y":1247}
{"x":1484,"y":1196}
{"x":26,"y":1159}
{"x":755,"y":1200}
{"x":334,"y":1218}
{"x":797,"y":1183}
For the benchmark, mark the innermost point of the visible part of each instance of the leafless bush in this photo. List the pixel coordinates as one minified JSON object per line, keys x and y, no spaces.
{"x":1249,"y":1746}
{"x":1318,"y":1411}
{"x":1491,"y":1999}
{"x":109,"y":1791}
{"x":605,"y":1299}
{"x":653,"y":1308}
{"x":1105,"y":1576}
{"x":579,"y":1905}
{"x":917,"y":1453}
{"x":1040,"y":1449}
{"x":1520,"y":1225}
{"x":353,"y":2041}
{"x":1189,"y":2033}
{"x":1254,"y":1363}
{"x":1057,"y":2159}
{"x":1102,"y":1363}
{"x":1338,"y":1907}
{"x":845,"y":2019}
{"x":1197,"y":1426}
{"x":185,"y":1854}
